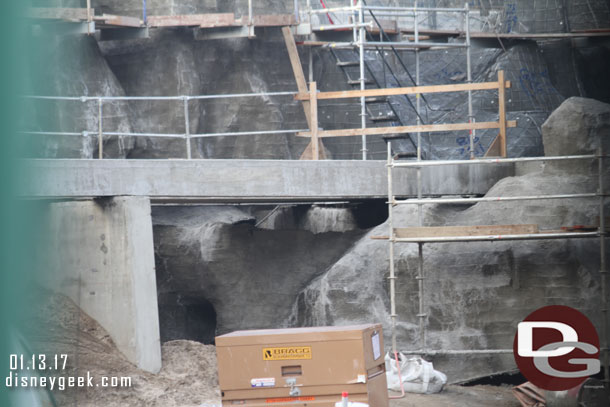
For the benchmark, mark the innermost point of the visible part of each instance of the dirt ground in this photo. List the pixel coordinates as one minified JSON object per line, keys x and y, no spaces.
{"x":188,"y":377}
{"x":475,"y":396}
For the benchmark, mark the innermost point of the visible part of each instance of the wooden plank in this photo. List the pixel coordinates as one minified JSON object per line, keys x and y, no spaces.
{"x":313,"y":102}
{"x":453,"y":231}
{"x":273,"y":20}
{"x":57,"y":13}
{"x":494,"y":148}
{"x":193,"y":20}
{"x":297,"y":69}
{"x":388,"y":26}
{"x":308,"y":154}
{"x":502,"y":113}
{"x":299,"y":77}
{"x":120,"y":21}
{"x":424,"y":128}
{"x":411,"y":90}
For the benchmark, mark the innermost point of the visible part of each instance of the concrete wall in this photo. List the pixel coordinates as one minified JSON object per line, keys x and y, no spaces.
{"x":102,"y":257}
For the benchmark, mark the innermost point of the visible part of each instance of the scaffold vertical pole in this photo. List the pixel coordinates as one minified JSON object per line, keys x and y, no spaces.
{"x":309,"y":15}
{"x":602,"y":262}
{"x":392,"y":277}
{"x":469,"y":80}
{"x":187,"y":128}
{"x":100,"y":138}
{"x":420,"y":247}
{"x":354,"y":19}
{"x":362,"y":76}
{"x":313,"y":105}
{"x":89,"y":17}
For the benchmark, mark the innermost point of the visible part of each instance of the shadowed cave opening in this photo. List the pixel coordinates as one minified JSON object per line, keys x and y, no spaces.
{"x":186,"y":317}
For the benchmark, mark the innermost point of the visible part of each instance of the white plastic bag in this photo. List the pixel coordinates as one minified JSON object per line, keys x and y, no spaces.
{"x":417,"y":375}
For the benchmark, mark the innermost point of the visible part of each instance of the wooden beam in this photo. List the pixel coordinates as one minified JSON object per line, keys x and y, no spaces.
{"x":57,"y":13}
{"x":193,"y":20}
{"x":494,"y":148}
{"x":453,"y":231}
{"x":388,"y":26}
{"x":424,"y":128}
{"x":299,"y":77}
{"x":273,"y":20}
{"x":502,"y":113}
{"x":297,"y":69}
{"x":411,"y":90}
{"x":120,"y":21}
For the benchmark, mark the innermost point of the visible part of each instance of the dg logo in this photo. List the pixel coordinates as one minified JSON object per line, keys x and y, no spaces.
{"x":556,"y":348}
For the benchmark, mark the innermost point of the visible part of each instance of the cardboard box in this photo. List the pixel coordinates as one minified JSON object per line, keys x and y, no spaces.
{"x":302,"y":366}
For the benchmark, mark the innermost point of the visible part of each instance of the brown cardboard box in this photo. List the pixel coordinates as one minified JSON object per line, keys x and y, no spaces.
{"x":302,"y":366}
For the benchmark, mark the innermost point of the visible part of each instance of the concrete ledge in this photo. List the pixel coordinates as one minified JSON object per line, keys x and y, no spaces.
{"x":247,"y":180}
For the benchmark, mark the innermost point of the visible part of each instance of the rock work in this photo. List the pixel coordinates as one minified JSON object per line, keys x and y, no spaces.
{"x":86,"y":74}
{"x":172,"y":63}
{"x":246,"y":276}
{"x":290,"y":266}
{"x":576,"y":127}
{"x":475,"y":293}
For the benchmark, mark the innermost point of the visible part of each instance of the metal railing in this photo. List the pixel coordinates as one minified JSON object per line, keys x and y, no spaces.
{"x":187,"y":135}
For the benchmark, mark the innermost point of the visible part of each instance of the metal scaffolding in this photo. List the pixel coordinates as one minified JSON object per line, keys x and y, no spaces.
{"x":420,"y":241}
{"x":358,"y":9}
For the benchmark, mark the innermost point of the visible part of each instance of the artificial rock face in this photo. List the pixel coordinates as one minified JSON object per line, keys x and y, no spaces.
{"x":217,"y":259}
{"x":476,"y":293}
{"x":576,"y":127}
{"x":75,"y":67}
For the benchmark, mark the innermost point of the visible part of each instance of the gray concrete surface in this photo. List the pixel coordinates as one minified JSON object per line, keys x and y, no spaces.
{"x":101,"y":255}
{"x":247,"y":180}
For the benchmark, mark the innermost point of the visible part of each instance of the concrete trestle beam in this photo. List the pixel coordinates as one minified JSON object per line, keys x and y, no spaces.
{"x":247,"y":180}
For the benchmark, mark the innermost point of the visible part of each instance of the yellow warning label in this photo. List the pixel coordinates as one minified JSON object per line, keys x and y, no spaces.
{"x":288,"y":353}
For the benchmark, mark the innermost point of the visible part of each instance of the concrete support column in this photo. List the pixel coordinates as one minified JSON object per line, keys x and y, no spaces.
{"x":102,"y":257}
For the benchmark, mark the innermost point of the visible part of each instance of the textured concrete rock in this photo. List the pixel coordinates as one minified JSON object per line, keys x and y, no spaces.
{"x":576,"y":127}
{"x":161,"y":66}
{"x":475,"y":293}
{"x":250,"y":276}
{"x":75,"y":68}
